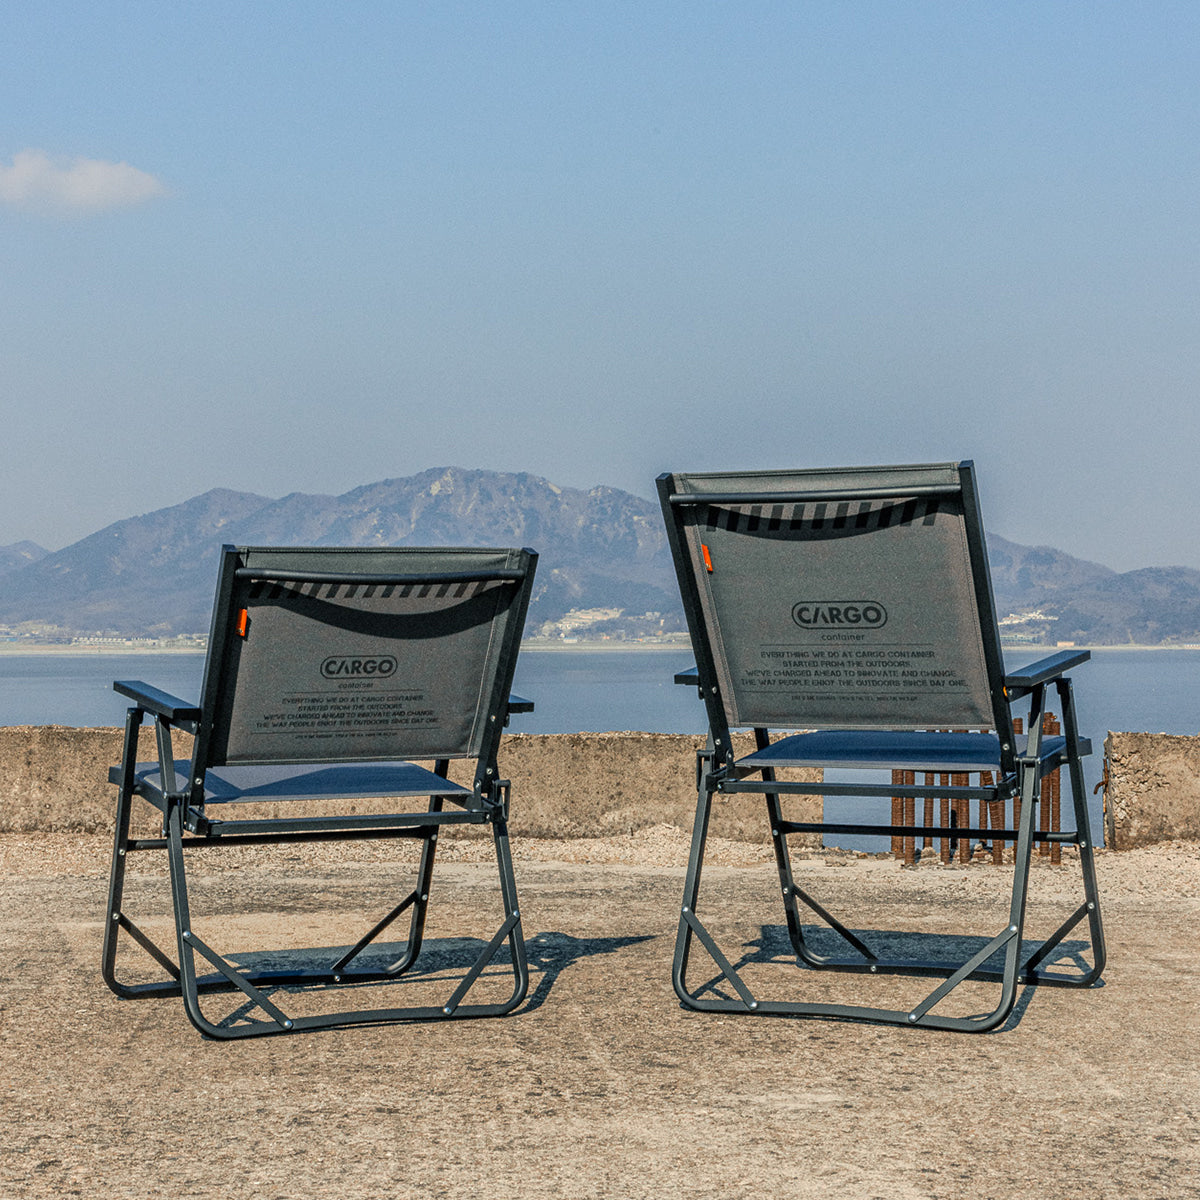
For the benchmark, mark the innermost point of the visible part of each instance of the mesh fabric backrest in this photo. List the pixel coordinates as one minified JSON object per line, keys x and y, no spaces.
{"x":850,"y":612}
{"x":354,"y":671}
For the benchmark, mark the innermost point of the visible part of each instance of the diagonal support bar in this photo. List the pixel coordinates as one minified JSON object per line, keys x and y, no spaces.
{"x":485,"y":957}
{"x":1057,"y":936}
{"x":146,"y":944}
{"x":726,"y":967}
{"x":259,"y":998}
{"x":835,"y":924}
{"x":940,"y":993}
{"x":374,"y":932}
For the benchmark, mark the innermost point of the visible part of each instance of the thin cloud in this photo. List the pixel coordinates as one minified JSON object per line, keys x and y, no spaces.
{"x":37,"y":183}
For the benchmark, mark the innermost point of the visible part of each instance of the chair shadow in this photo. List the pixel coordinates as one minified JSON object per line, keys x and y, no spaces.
{"x":548,"y":954}
{"x":774,"y":947}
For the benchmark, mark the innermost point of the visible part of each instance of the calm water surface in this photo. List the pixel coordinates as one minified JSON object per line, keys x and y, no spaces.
{"x":596,"y":691}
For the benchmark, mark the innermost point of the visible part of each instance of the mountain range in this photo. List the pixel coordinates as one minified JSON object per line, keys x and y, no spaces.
{"x":605,"y":569}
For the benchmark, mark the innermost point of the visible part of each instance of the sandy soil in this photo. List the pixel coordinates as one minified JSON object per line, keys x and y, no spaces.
{"x":601,"y":1085}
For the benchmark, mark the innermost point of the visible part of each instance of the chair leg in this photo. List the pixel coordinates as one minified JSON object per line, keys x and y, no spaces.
{"x":116,"y":921}
{"x":922,"y":1015}
{"x":1089,"y":909}
{"x":190,"y":945}
{"x":690,"y":925}
{"x":416,"y":928}
{"x":691,"y":890}
{"x":510,"y":930}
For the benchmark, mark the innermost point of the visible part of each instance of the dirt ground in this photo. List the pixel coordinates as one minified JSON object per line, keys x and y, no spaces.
{"x":601,"y":1084}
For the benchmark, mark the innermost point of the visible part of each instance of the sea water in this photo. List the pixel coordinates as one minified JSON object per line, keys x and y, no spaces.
{"x":575,"y":691}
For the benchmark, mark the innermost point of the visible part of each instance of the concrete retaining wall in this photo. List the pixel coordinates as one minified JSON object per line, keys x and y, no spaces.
{"x":1153,"y":789}
{"x":53,"y":777}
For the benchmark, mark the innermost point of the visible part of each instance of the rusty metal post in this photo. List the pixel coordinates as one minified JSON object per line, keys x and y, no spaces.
{"x":897,"y":814}
{"x":988,"y":779}
{"x":963,"y":810}
{"x":1052,"y":792}
{"x":910,"y":819}
{"x":944,"y":842}
{"x":926,"y":840}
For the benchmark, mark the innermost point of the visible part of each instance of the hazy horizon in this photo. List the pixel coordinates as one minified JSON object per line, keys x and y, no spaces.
{"x":991,"y":534}
{"x":303,"y":248}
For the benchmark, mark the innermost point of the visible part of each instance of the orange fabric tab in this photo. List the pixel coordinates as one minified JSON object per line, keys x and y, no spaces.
{"x":707,"y":559}
{"x":243,"y":622}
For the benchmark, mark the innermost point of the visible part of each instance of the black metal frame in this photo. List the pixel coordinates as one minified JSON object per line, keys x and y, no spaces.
{"x":1018,"y":780}
{"x":187,"y":825}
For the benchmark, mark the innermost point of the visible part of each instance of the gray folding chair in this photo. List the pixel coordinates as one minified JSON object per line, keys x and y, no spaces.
{"x":856,"y":606}
{"x":332,"y":674}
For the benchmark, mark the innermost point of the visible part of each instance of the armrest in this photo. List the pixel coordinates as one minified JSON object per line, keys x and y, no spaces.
{"x":1021,"y":682}
{"x":691,"y":675}
{"x":156,"y":701}
{"x":518,"y":704}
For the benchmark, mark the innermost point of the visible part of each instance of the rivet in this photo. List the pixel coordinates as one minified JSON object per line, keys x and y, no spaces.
{"x":912,"y":1016}
{"x":337,"y":979}
{"x":753,"y":1003}
{"x":116,"y":916}
{"x":685,"y":908}
{"x":287,"y":1024}
{"x":874,"y":968}
{"x":447,"y":1011}
{"x":1012,"y":929}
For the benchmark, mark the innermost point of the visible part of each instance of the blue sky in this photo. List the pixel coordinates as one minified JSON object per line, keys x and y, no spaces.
{"x":300,"y":247}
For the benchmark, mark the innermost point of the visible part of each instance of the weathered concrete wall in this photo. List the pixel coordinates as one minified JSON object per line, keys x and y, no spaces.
{"x":55,"y":778}
{"x":564,"y":785}
{"x":1153,"y":792}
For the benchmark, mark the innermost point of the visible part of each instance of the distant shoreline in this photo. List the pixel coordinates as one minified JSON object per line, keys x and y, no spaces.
{"x":532,"y":646}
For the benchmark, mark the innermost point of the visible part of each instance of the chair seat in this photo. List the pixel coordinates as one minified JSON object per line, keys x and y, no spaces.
{"x":336,"y":781}
{"x":902,"y":750}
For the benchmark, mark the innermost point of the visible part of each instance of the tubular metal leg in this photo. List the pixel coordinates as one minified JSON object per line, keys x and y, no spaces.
{"x":187,"y":981}
{"x":1013,"y":970}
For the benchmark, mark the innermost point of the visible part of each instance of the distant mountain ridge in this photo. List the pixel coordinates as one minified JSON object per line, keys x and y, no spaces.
{"x":1070,"y":599}
{"x":605,"y":569}
{"x":602,"y":549}
{"x":18,"y":555}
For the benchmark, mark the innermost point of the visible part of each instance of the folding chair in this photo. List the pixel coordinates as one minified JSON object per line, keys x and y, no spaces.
{"x":856,"y":606}
{"x":328,"y":672}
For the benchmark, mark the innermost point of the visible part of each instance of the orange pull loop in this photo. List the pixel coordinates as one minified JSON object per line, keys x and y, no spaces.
{"x":707,"y":558}
{"x":243,"y":622}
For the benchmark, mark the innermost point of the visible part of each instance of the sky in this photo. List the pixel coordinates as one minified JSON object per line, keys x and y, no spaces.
{"x":288,"y":247}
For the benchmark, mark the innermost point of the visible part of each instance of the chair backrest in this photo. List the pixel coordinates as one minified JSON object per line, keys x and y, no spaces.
{"x":839,"y":599}
{"x":357,"y":655}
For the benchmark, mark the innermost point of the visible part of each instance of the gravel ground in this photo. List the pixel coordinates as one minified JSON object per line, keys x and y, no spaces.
{"x":601,"y":1085}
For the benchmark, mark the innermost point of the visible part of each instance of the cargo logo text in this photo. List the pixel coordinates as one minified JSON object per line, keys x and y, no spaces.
{"x":832,"y":614}
{"x":351,"y":666}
